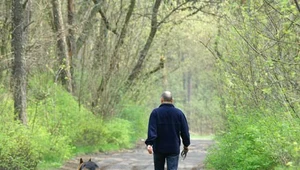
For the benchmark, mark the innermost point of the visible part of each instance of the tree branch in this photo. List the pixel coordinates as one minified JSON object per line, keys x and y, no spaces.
{"x":196,"y":10}
{"x":297,"y":5}
{"x":170,"y":13}
{"x":104,"y":18}
{"x":160,"y":66}
{"x":107,"y":24}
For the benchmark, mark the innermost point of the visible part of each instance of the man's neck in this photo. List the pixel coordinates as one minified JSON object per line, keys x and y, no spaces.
{"x":167,"y":102}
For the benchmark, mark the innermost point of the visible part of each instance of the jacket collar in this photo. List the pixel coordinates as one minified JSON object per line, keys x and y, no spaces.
{"x":166,"y":104}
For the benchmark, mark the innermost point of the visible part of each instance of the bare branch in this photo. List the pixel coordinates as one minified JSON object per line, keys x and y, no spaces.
{"x":174,"y":10}
{"x":194,"y":10}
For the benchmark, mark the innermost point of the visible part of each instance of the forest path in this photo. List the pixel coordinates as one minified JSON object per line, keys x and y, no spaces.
{"x":139,"y":159}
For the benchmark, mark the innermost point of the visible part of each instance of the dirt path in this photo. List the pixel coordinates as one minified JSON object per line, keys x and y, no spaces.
{"x":139,"y":159}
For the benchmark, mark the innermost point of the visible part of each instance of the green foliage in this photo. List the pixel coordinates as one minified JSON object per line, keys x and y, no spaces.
{"x":91,"y":132}
{"x":257,"y":62}
{"x":254,"y":141}
{"x":17,"y":149}
{"x":103,"y":136}
{"x":120,"y":132}
{"x":59,"y":129}
{"x":53,"y":109}
{"x":252,"y":66}
{"x":137,"y":115}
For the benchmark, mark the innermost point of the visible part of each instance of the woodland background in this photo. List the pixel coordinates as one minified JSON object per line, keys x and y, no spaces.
{"x":80,"y":76}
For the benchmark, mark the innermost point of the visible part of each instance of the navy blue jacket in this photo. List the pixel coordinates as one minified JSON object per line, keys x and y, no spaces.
{"x":166,"y":125}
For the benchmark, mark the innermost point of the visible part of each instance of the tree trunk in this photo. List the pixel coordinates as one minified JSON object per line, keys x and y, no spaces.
{"x":114,"y":61}
{"x":297,"y":5}
{"x":18,"y":72}
{"x":71,"y":42}
{"x":154,"y":24}
{"x":189,"y":86}
{"x":64,"y":72}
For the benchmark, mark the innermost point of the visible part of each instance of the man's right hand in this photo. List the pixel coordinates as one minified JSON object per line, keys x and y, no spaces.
{"x":184,"y":152}
{"x":150,"y":149}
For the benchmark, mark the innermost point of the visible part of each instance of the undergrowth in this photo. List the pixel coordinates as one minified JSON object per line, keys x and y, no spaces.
{"x":256,"y":140}
{"x":58,"y":129}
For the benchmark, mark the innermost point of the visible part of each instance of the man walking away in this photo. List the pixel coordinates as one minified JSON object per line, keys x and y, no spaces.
{"x":166,"y":125}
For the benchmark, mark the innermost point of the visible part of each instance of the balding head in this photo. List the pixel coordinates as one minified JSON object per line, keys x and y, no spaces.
{"x":166,"y":97}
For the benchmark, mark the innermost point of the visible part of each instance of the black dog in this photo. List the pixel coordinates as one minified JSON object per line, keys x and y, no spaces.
{"x":89,"y":165}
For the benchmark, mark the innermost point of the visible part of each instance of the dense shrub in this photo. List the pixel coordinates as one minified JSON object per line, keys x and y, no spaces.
{"x":91,"y":132}
{"x":256,"y":141}
{"x":17,"y":150}
{"x":24,"y":147}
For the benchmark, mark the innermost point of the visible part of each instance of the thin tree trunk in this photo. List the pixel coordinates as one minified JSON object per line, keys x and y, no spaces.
{"x":5,"y":39}
{"x":71,"y":42}
{"x":27,"y":22}
{"x":88,"y":25}
{"x":113,"y":65}
{"x":19,"y":72}
{"x":100,"y":57}
{"x":64,"y":72}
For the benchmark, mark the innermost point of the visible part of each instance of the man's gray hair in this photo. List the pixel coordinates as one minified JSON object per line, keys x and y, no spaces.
{"x":167,"y":96}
